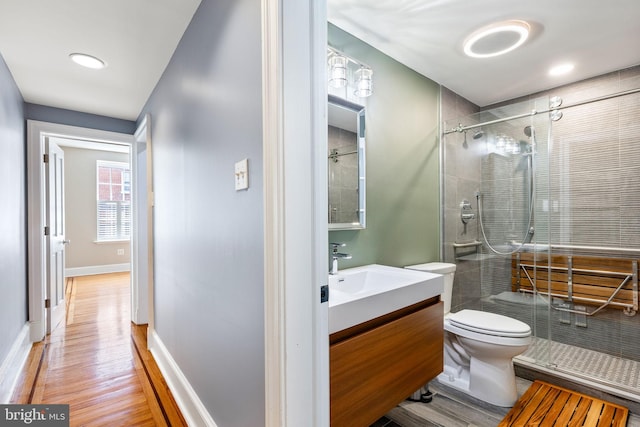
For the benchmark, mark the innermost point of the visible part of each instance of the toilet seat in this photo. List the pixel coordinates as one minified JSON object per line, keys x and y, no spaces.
{"x":488,"y":327}
{"x":483,"y":322}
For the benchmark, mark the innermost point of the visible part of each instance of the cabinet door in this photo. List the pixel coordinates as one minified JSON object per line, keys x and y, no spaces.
{"x":374,"y":371}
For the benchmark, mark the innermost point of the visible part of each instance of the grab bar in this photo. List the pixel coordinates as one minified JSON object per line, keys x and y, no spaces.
{"x":595,"y":249}
{"x":467,"y":245}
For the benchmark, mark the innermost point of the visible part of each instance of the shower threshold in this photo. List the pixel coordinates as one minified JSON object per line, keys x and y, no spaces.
{"x":610,"y":374}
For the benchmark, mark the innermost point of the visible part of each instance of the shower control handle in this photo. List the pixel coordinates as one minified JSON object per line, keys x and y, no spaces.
{"x":466,"y":211}
{"x":468,"y":216}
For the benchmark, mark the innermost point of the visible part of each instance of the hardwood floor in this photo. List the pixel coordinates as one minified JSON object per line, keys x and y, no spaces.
{"x":97,"y":362}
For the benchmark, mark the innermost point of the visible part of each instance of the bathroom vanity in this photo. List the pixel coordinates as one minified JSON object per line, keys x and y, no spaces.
{"x":378,"y":363}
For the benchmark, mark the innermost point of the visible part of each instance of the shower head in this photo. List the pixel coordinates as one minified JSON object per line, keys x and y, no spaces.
{"x":529,"y":131}
{"x":478,"y":134}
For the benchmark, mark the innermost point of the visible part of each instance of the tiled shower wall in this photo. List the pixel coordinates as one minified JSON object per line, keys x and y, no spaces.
{"x":461,"y":176}
{"x":591,"y":197}
{"x":594,"y":163}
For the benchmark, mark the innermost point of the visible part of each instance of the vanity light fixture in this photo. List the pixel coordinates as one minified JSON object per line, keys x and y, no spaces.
{"x":349,"y":75}
{"x":88,"y":61}
{"x":337,"y":70}
{"x":561,"y":69}
{"x":364,"y":82}
{"x":496,"y":39}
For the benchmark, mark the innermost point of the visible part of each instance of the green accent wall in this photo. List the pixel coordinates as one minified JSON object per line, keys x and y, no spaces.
{"x":402,"y":135}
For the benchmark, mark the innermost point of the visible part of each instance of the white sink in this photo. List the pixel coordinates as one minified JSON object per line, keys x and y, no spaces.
{"x":359,"y":294}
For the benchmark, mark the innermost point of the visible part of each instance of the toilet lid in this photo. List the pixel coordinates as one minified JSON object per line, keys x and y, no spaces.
{"x":434,"y":267}
{"x":489,"y":323}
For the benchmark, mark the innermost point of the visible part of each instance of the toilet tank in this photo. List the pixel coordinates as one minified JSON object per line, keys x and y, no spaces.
{"x":448,"y":271}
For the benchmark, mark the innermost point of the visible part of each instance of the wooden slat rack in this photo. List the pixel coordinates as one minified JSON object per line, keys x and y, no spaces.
{"x":547,"y":405}
{"x":590,"y":280}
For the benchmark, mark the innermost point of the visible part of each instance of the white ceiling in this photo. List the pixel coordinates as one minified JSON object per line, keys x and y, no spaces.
{"x":137,"y":38}
{"x":598,"y":36}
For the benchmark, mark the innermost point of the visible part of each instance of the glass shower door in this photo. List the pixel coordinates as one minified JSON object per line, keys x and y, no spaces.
{"x":497,"y":169}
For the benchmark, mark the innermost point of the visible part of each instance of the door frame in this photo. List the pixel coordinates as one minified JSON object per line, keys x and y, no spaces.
{"x":37,"y":131}
{"x":143,"y":209}
{"x":294,"y":34}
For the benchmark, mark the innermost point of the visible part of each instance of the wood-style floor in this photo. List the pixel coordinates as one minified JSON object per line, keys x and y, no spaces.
{"x":451,"y":408}
{"x":97,"y":362}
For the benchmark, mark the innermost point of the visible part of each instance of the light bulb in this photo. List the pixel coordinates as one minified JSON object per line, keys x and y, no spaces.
{"x":364,"y":82}
{"x":337,"y":71}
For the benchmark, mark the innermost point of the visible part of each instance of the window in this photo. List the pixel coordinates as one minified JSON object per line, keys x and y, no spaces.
{"x":114,"y":201}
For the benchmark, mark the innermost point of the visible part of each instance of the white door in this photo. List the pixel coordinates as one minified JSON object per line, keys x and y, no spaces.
{"x":54,"y":175}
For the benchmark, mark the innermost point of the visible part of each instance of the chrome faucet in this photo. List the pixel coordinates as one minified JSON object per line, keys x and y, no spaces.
{"x":335,"y":255}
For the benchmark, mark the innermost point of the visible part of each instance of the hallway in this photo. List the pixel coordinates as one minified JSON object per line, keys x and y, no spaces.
{"x":97,"y":362}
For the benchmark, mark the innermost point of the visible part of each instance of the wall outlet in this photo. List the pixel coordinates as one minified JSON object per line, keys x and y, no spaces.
{"x":120,"y":252}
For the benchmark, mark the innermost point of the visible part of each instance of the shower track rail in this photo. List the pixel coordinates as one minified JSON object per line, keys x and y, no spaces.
{"x":591,"y":280}
{"x":460,"y":128}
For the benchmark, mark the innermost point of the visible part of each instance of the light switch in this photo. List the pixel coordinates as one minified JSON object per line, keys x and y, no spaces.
{"x":242,"y":174}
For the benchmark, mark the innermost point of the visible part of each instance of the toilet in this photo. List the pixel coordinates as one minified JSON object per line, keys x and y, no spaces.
{"x":479,"y":347}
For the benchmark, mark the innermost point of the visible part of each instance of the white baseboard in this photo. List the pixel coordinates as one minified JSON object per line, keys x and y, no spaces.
{"x":97,"y":269}
{"x":193,"y":410}
{"x":12,"y":365}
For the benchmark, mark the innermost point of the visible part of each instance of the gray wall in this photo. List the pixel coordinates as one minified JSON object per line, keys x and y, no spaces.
{"x":75,"y":118}
{"x":402,"y":163}
{"x":206,"y":114}
{"x":13,"y":245}
{"x":80,"y":210}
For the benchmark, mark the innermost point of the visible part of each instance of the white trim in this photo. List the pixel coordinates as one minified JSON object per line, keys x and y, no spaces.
{"x":320,"y":189}
{"x":98,"y":146}
{"x":294,"y":119}
{"x":272,"y":116}
{"x":192,"y":408}
{"x":36,"y":221}
{"x":36,"y":133}
{"x":143,"y":139}
{"x":112,"y":164}
{"x":97,"y":269}
{"x":12,"y":365}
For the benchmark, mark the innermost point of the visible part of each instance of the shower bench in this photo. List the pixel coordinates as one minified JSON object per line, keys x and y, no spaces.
{"x":590,"y":280}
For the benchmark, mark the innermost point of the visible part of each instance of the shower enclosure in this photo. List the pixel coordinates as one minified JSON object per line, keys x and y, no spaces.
{"x":540,"y":211}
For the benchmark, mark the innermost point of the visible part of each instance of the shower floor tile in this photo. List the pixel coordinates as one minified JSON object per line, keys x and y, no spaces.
{"x":611,"y":371}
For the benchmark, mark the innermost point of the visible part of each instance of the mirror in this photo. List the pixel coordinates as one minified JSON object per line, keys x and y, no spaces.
{"x":346,"y":165}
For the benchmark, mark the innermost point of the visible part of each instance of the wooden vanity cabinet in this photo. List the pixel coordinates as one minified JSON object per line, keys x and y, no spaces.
{"x":376,"y":365}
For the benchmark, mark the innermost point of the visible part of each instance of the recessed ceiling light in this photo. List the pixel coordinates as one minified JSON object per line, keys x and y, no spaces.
{"x":496,"y":39}
{"x":88,"y":61}
{"x":561,"y":69}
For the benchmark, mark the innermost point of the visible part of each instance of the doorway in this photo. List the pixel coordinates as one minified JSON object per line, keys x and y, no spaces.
{"x":39,"y":134}
{"x":98,"y":196}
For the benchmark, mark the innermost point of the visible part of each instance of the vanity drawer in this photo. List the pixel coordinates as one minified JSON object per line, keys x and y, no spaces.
{"x":377,"y":368}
